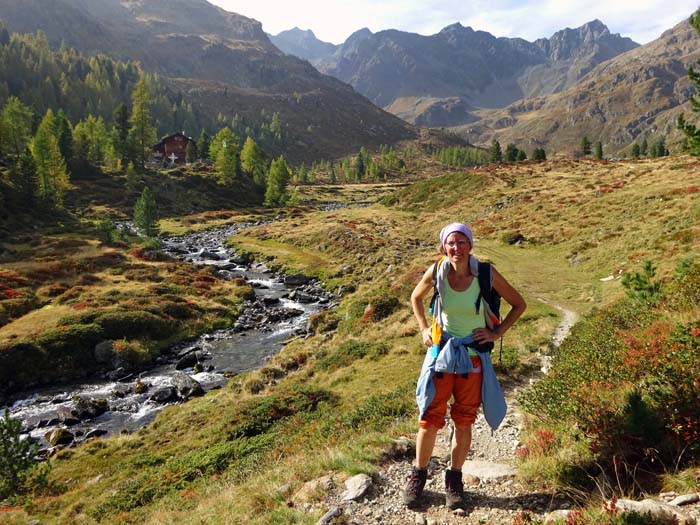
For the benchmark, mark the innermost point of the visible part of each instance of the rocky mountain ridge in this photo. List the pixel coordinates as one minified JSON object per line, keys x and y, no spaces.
{"x":635,"y":96}
{"x":442,"y":79}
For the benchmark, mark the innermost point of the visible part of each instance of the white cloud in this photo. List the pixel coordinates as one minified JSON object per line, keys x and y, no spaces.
{"x":334,"y":20}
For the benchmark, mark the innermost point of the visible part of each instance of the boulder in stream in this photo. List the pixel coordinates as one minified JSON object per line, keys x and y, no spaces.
{"x":296,"y":279}
{"x":186,"y":386}
{"x":85,"y":408}
{"x":164,"y":395}
{"x":59,"y":436}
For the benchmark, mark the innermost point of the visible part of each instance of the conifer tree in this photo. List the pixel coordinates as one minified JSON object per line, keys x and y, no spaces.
{"x":227,"y":162}
{"x":224,"y":136}
{"x":522,"y":156}
{"x":64,"y":134}
{"x":511,"y":153}
{"x":585,"y":146}
{"x":50,"y":165}
{"x":120,"y":133}
{"x":636,"y":151}
{"x":276,"y":126}
{"x":142,"y":133}
{"x":253,"y":161}
{"x":598,"y":151}
{"x":146,"y":213}
{"x":539,"y":154}
{"x":16,"y":128}
{"x":495,"y":153}
{"x":19,"y":471}
{"x":25,"y":179}
{"x":644,"y":147}
{"x":131,"y":177}
{"x":190,"y":152}
{"x":277,"y":182}
{"x":302,"y":175}
{"x":203,"y":143}
{"x":359,"y":167}
{"x":691,"y":142}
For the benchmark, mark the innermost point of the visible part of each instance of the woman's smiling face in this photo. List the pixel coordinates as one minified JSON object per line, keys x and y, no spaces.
{"x":457,"y":247}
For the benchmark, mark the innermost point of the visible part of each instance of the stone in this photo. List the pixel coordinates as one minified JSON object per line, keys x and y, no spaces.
{"x":297,"y":279}
{"x":104,"y":352}
{"x":187,"y":361}
{"x":59,"y":436}
{"x":163,"y":395}
{"x":686,"y":499}
{"x":356,"y":487}
{"x":85,"y":408}
{"x":95,"y":433}
{"x":186,"y":386}
{"x":657,"y":509}
{"x":488,"y":471}
{"x":329,"y":516}
{"x":312,"y":488}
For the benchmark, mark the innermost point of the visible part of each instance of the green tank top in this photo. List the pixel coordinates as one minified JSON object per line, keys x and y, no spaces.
{"x":459,"y":316}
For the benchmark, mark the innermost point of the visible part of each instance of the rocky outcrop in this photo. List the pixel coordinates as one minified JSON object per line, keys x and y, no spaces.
{"x":303,"y":44}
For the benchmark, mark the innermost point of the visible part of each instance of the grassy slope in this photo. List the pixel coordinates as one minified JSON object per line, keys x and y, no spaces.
{"x":196,"y":465}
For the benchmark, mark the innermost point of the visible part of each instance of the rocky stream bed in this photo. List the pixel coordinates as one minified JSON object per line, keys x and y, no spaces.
{"x":119,"y":402}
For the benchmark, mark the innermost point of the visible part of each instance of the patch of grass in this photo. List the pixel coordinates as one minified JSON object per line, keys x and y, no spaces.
{"x":350,"y":351}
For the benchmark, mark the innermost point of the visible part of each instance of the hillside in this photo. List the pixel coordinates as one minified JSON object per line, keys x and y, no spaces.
{"x":440,"y":80}
{"x":207,"y":53}
{"x":636,"y":95}
{"x":332,"y":404}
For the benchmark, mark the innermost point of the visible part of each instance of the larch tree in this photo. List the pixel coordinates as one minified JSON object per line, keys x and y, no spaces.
{"x":277,"y":182}
{"x":50,"y":165}
{"x":16,"y":127}
{"x":253,"y":161}
{"x":142,"y":133}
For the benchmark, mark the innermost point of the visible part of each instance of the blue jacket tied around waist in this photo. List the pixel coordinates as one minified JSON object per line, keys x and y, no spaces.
{"x":454,"y":358}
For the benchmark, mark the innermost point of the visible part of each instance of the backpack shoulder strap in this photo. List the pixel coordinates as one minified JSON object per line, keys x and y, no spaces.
{"x":436,"y":294}
{"x":484,"y":284}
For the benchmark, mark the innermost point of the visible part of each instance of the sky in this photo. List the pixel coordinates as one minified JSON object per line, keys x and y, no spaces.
{"x":334,"y":20}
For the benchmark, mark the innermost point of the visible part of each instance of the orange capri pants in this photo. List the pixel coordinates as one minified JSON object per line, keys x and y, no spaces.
{"x":467,"y":398}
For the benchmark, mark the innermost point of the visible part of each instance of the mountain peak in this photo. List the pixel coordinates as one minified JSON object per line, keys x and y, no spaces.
{"x":453,"y":27}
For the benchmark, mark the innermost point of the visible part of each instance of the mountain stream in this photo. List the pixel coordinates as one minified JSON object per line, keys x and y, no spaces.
{"x":120,"y":402}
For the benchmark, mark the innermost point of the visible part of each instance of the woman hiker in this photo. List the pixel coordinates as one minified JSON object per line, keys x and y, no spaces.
{"x":454,"y":366}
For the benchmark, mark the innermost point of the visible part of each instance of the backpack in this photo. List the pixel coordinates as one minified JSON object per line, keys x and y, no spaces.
{"x":490,"y":296}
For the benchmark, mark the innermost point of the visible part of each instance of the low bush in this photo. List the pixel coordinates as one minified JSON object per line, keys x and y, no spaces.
{"x":118,"y":324}
{"x":625,"y":380}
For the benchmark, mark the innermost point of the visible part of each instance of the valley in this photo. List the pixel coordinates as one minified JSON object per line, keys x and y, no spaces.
{"x":208,"y":248}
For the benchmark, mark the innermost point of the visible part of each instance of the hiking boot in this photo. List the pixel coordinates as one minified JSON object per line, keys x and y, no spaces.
{"x":415,"y":485}
{"x":454,"y":488}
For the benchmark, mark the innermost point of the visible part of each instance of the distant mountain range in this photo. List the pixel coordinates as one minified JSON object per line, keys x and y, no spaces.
{"x":440,"y":80}
{"x":222,"y":61}
{"x":547,"y":93}
{"x":634,"y":96}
